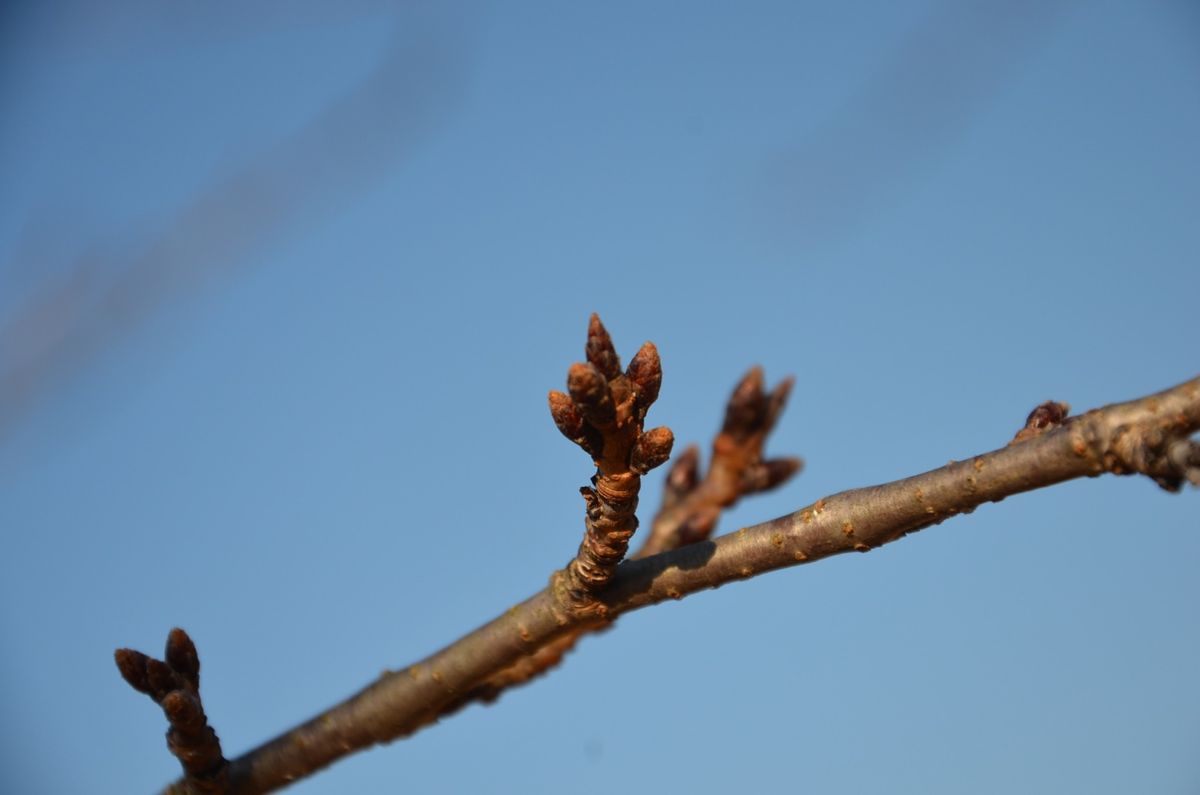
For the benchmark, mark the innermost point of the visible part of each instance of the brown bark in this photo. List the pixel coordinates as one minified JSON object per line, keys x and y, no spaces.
{"x":1149,"y":436}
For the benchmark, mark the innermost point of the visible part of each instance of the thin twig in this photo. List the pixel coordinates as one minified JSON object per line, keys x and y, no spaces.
{"x":174,"y":684}
{"x":691,"y":507}
{"x":1149,"y":436}
{"x":604,"y":414}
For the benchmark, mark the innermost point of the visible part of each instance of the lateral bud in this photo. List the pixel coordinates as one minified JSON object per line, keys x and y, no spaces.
{"x":566,"y":417}
{"x":766,"y":475}
{"x":132,"y":665}
{"x":589,"y":390}
{"x":651,"y":449}
{"x":645,"y":372}
{"x":746,"y":408}
{"x":181,"y":655}
{"x":600,"y":350}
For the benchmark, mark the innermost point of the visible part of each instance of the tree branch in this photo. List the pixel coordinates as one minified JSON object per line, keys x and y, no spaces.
{"x":1149,"y":436}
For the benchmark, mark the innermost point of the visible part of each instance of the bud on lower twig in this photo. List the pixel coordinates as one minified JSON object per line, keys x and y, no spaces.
{"x":746,"y":409}
{"x":132,"y":665}
{"x":182,"y":657}
{"x":766,"y":475}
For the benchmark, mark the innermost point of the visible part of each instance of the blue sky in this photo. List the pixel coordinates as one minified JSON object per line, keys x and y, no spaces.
{"x":283,"y":287}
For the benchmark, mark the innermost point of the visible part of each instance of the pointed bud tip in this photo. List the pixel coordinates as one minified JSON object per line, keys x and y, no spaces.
{"x":182,"y":656}
{"x":600,"y":350}
{"x":645,"y":371}
{"x":132,"y":665}
{"x":752,"y":381}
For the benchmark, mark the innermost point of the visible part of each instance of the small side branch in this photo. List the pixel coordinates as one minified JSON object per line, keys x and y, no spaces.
{"x":691,"y":506}
{"x":174,"y":684}
{"x":603,"y":414}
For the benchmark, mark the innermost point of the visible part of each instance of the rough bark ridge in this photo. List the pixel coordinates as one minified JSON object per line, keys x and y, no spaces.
{"x":603,"y":414}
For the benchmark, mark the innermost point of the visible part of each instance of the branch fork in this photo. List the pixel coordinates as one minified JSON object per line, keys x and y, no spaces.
{"x":174,"y":684}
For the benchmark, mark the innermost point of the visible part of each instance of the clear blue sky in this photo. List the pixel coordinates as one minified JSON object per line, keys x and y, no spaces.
{"x":283,"y":286}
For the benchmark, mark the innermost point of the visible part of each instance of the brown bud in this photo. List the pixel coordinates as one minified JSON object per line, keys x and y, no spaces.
{"x":1047,"y":415}
{"x":566,"y":416}
{"x":132,"y":665}
{"x":645,"y":372}
{"x":183,"y":709}
{"x":766,"y":475}
{"x":572,"y":424}
{"x":600,"y":350}
{"x":589,"y":390}
{"x":652,"y":448}
{"x":746,"y":409}
{"x":181,"y":655}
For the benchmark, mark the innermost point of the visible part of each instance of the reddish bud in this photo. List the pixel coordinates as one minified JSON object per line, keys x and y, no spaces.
{"x":766,"y":475}
{"x":746,"y":409}
{"x":1047,"y":415}
{"x":183,"y":709}
{"x":181,"y":655}
{"x":600,"y":350}
{"x":589,"y":390}
{"x":652,"y":448}
{"x":645,"y":372}
{"x":566,"y":416}
{"x":132,"y":665}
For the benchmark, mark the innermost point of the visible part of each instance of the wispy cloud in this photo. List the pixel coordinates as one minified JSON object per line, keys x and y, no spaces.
{"x":72,"y":317}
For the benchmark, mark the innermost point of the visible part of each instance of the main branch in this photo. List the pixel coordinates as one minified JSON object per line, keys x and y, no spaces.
{"x":1149,"y":436}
